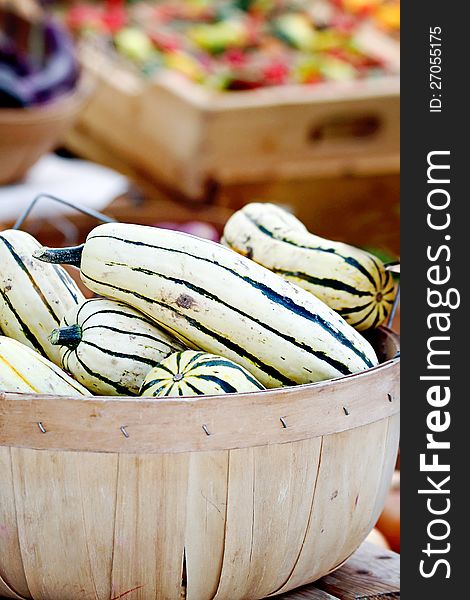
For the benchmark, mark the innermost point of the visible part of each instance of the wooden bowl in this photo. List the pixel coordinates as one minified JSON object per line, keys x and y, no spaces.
{"x":227,"y":497}
{"x":28,"y":133}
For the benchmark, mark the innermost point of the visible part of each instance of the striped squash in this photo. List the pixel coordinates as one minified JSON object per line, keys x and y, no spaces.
{"x":33,"y":296}
{"x":220,"y":302}
{"x":192,"y":373}
{"x":351,"y":281}
{"x":110,"y":347}
{"x":24,"y":370}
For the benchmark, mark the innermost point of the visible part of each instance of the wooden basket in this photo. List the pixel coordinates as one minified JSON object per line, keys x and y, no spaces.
{"x":190,"y":138}
{"x":28,"y":133}
{"x":231,"y":497}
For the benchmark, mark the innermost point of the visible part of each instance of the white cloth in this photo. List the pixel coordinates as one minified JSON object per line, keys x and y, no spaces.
{"x":78,"y":181}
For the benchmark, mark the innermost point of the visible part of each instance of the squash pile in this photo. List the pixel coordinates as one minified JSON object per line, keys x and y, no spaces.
{"x":177,"y":315}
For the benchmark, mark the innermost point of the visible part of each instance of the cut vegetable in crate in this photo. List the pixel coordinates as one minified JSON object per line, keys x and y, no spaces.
{"x":231,"y":45}
{"x":33,"y":296}
{"x":110,"y":347}
{"x":351,"y":281}
{"x":192,"y":373}
{"x":221,"y":302}
{"x":24,"y":370}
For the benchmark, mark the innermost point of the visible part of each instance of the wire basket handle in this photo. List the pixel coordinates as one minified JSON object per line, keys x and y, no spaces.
{"x":394,"y":267}
{"x":78,"y":207}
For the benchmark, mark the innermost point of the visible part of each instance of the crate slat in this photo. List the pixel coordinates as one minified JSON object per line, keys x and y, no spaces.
{"x":188,"y":137}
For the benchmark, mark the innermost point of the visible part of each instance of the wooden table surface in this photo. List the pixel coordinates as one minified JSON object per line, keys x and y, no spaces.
{"x":372,"y":573}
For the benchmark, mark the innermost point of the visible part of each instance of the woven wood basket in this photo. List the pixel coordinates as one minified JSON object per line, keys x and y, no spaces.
{"x":226,"y":498}
{"x":28,"y":133}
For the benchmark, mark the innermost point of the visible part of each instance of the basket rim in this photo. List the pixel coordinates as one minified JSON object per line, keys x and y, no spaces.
{"x":219,"y":422}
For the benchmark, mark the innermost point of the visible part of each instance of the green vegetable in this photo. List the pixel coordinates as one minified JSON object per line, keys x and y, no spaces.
{"x":296,"y":30}
{"x":217,"y":37}
{"x":134,"y":44}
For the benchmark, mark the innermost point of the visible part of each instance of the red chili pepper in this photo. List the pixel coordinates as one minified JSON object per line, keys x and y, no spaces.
{"x":343,"y":23}
{"x":365,"y":63}
{"x":115,"y":19}
{"x":83,"y":15}
{"x":165,"y":42}
{"x":235,"y":58}
{"x":275,"y":73}
{"x":112,"y":4}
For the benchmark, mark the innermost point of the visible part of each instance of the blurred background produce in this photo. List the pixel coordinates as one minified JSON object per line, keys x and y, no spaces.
{"x":37,"y":60}
{"x":231,"y":44}
{"x":40,"y":87}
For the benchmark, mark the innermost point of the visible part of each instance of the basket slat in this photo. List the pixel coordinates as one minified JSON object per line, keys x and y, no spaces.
{"x":205,"y":522}
{"x":150,"y":526}
{"x":391,"y":450}
{"x":11,"y":566}
{"x":276,"y":498}
{"x":65,"y":533}
{"x":347,"y":487}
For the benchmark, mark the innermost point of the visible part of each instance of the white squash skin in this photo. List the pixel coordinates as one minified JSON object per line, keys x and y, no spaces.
{"x":25,"y":371}
{"x":180,"y":375}
{"x":143,"y":343}
{"x":55,"y":294}
{"x":175,"y":278}
{"x":242,"y":233}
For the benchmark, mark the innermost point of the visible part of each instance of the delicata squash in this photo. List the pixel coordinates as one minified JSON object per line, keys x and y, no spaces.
{"x":220,"y":302}
{"x":33,"y":296}
{"x":110,"y":347}
{"x":24,"y":370}
{"x":351,"y":281}
{"x":193,"y":373}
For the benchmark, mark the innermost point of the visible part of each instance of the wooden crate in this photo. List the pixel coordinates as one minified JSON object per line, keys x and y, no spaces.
{"x":189,"y":138}
{"x":277,"y":489}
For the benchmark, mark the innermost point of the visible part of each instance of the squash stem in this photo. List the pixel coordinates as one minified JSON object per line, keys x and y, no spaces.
{"x":64,"y":256}
{"x":69,"y":336}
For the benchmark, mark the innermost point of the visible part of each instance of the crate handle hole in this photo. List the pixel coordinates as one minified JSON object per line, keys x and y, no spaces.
{"x":340,"y":128}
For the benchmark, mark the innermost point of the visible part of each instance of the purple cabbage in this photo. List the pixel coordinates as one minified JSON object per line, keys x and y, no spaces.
{"x":41,"y":75}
